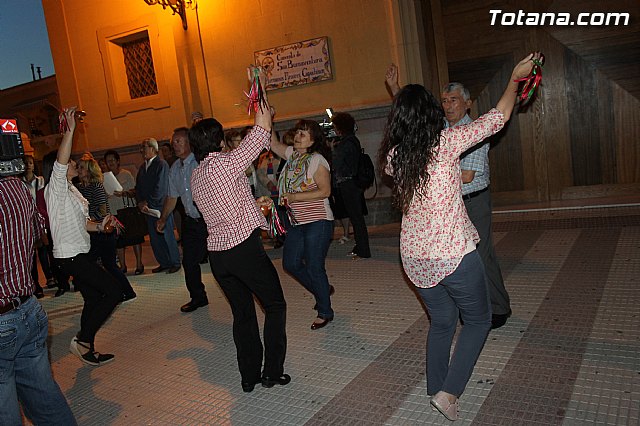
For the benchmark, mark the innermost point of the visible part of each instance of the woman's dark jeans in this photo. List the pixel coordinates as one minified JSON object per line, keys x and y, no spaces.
{"x":305,"y":252}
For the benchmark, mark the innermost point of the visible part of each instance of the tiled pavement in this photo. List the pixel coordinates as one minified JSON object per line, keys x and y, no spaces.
{"x":569,"y":354}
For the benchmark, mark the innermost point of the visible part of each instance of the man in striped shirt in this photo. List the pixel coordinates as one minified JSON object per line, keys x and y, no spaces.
{"x":24,"y":360}
{"x":238,"y":261}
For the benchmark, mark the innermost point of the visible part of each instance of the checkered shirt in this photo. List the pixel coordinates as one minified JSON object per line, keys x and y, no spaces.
{"x":221,"y":191}
{"x":20,"y":226}
{"x":476,"y":159}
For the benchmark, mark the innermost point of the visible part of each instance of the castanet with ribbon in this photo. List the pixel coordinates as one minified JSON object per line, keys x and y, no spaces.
{"x":276,"y":228}
{"x":532,"y":82}
{"x":256,"y":94}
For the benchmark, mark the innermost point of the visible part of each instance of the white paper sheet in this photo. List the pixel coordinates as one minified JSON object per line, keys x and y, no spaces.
{"x":153,"y":212}
{"x":110,"y":183}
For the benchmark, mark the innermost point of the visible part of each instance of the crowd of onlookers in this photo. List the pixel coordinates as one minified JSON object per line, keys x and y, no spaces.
{"x":263,"y":174}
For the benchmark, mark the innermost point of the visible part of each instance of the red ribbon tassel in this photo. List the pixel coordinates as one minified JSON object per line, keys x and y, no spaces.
{"x":255,"y":95}
{"x":63,"y":125}
{"x":532,"y":82}
{"x":276,"y":228}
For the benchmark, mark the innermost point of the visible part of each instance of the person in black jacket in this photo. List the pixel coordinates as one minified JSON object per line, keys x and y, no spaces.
{"x":346,"y":153}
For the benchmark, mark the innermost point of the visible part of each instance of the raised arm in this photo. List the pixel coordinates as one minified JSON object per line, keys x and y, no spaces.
{"x":522,"y":69}
{"x":64,"y":152}
{"x":391,"y":78}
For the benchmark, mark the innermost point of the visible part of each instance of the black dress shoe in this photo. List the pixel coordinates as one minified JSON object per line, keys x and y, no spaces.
{"x":159,"y":269}
{"x":498,"y":320}
{"x":268,"y":382}
{"x":318,"y":325}
{"x":250,"y":386}
{"x":173,"y":269}
{"x":193,"y":305}
{"x":60,"y":292}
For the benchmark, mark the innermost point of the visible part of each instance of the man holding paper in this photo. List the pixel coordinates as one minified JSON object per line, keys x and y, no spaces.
{"x":152,"y":186}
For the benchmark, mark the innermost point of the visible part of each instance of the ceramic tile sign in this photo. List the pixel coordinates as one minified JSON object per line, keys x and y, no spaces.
{"x":295,"y":64}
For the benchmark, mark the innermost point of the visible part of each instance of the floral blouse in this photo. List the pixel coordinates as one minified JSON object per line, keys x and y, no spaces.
{"x":436,"y":230}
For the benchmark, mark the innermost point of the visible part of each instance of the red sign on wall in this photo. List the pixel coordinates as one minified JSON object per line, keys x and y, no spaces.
{"x":8,"y":125}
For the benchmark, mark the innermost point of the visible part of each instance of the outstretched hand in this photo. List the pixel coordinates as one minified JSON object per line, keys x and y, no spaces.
{"x":70,"y":118}
{"x":391,"y":78}
{"x":392,"y":75}
{"x":523,"y":68}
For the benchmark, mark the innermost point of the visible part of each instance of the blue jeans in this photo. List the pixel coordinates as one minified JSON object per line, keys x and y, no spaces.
{"x":463,"y":293}
{"x":164,"y":246}
{"x":305,"y":251}
{"x":25,"y":374}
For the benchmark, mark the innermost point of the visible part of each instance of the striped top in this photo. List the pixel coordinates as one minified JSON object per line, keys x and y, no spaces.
{"x":307,"y":211}
{"x":20,"y":225}
{"x":96,"y":196}
{"x":68,"y":213}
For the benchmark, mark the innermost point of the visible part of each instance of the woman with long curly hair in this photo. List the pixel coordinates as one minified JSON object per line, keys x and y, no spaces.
{"x":437,"y":239}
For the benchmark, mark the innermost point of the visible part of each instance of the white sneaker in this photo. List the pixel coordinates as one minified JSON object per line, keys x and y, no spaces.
{"x":85,"y":356}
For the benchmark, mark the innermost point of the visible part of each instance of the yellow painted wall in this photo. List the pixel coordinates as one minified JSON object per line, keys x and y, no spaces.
{"x":230,"y":32}
{"x":359,"y":45}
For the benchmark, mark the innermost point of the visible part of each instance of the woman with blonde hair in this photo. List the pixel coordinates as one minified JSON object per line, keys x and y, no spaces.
{"x":103,"y":245}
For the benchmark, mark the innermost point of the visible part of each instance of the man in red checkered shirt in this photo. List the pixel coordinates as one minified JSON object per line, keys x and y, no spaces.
{"x":238,"y":261}
{"x":25,"y":373}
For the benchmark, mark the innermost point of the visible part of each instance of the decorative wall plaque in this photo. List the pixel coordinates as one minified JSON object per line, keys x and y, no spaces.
{"x":296,"y":63}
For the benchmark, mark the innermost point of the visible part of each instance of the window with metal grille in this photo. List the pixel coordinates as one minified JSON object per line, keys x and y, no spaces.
{"x":138,"y":63}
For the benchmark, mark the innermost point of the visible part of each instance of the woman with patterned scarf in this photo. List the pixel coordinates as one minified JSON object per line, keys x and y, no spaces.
{"x":304,"y":187}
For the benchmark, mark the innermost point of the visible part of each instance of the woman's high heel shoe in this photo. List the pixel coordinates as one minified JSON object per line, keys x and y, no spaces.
{"x":317,"y":325}
{"x":139,"y":270}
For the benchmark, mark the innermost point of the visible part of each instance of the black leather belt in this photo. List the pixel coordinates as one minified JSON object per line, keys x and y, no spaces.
{"x":474,"y":194}
{"x":13,"y":303}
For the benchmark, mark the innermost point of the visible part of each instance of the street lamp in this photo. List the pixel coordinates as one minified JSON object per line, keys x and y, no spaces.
{"x":177,"y":6}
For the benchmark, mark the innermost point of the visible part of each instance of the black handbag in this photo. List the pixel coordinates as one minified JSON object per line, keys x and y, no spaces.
{"x":134,"y":221}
